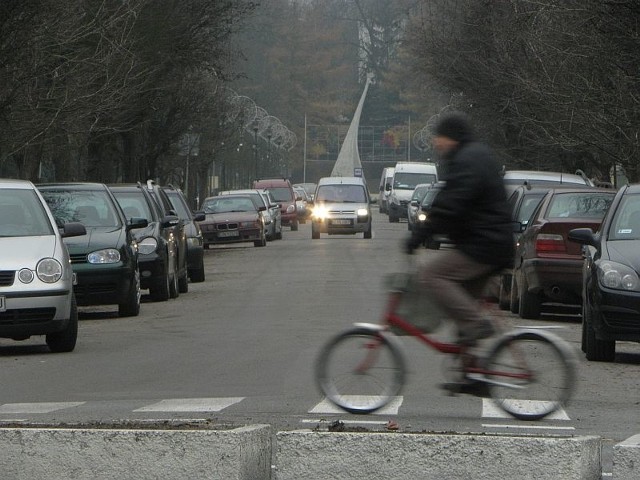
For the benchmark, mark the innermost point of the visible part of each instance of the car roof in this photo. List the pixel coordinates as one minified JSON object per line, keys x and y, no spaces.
{"x":542,"y":176}
{"x":16,"y":183}
{"x":74,"y":186}
{"x":341,"y":181}
{"x":633,"y":189}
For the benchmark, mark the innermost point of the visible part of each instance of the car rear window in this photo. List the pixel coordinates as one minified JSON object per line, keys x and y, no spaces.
{"x":586,"y":204}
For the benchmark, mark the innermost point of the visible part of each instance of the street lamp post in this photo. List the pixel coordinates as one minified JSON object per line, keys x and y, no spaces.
{"x":269,"y":149}
{"x":255,"y":149}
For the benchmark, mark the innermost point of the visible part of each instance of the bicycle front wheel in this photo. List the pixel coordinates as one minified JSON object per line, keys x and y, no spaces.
{"x":360,"y":370}
{"x":530,"y":374}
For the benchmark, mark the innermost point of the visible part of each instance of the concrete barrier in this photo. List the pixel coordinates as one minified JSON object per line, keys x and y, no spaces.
{"x":626,"y":459}
{"x":93,"y":454}
{"x":323,"y":455}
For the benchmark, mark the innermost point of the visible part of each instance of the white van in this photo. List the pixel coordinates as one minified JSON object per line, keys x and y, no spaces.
{"x":406,"y":176}
{"x":385,"y":179}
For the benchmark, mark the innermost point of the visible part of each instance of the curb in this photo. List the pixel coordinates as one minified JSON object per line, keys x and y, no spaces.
{"x":242,"y":453}
{"x":626,"y":459}
{"x":322,"y":455}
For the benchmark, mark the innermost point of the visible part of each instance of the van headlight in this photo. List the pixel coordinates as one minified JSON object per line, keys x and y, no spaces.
{"x":320,"y":212}
{"x":362,"y":212}
{"x":49,"y":270}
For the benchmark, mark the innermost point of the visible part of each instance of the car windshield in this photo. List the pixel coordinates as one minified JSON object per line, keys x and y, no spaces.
{"x":92,"y":208}
{"x":408,"y":181}
{"x":419,"y":193}
{"x":226,"y":204}
{"x":22,"y":214}
{"x":341,"y":193}
{"x":134,"y":205}
{"x":281,"y":194}
{"x":429,"y":196}
{"x":592,"y":205}
{"x":626,"y":221}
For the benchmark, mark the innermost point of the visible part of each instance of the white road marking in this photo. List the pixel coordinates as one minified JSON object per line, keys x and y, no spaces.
{"x":349,"y":422}
{"x":41,"y":407}
{"x":491,"y":410}
{"x":325,"y":406}
{"x":527,"y":427}
{"x":191,"y":405}
{"x":632,"y":441}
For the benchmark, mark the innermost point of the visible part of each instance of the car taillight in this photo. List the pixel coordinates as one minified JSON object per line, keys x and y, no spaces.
{"x":550,"y":243}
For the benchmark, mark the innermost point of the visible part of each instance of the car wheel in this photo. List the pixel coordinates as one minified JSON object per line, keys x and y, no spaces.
{"x":393,"y":218}
{"x":65,"y":341}
{"x":368,"y":233}
{"x":131,"y":306}
{"x":529,"y":302}
{"x":197,"y":274}
{"x":183,"y":283}
{"x":161,"y":292}
{"x":514,"y":303}
{"x":595,"y":349}
{"x":174,"y":290}
{"x":279,"y":233}
{"x":504,"y":297}
{"x":294,"y":226}
{"x":262,"y":242}
{"x":315,"y":232}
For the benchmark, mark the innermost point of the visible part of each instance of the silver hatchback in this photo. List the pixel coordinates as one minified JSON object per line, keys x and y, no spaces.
{"x":36,"y":280}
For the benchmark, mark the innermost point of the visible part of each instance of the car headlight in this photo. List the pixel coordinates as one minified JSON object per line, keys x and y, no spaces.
{"x":25,"y":275}
{"x":194,"y":242}
{"x":422,"y":217}
{"x":252,"y":224}
{"x":320,"y":212}
{"x":49,"y":270}
{"x":147,"y":245}
{"x":291,"y":208}
{"x":618,"y":276}
{"x":362,"y":212}
{"x":108,"y":255}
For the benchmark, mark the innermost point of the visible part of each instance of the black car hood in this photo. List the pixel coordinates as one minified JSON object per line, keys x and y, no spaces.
{"x":625,"y":252}
{"x":96,"y":238}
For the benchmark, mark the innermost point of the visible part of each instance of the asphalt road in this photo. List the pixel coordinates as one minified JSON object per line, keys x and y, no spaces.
{"x":239,"y":348}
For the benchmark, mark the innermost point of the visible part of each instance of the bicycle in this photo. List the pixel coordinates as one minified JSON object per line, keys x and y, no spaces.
{"x":528,"y":373}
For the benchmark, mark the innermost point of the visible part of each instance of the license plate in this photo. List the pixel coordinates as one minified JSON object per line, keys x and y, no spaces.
{"x":228,"y":234}
{"x":3,"y":304}
{"x":341,"y":222}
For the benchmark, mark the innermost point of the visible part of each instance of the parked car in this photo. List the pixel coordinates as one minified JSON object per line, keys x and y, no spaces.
{"x":515,"y":178}
{"x":302,"y":204}
{"x":195,"y":242}
{"x":105,"y":259}
{"x":415,"y":202}
{"x":157,"y":245}
{"x":522,"y":203}
{"x":309,"y":188}
{"x":233,"y":219}
{"x":36,"y":280}
{"x":610,"y":277}
{"x":283,"y":193}
{"x":547,"y":267}
{"x":341,"y":206}
{"x":272,"y":215}
{"x":161,"y":198}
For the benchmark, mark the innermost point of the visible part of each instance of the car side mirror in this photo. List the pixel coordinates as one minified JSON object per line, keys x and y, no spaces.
{"x":137,"y":222}
{"x":170,"y":221}
{"x":387,"y":187}
{"x":73,"y":229}
{"x":584,"y":236}
{"x":262,"y":208}
{"x":414,"y":203}
{"x":199,"y":216}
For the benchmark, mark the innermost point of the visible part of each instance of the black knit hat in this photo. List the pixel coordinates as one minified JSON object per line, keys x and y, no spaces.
{"x":454,"y":125}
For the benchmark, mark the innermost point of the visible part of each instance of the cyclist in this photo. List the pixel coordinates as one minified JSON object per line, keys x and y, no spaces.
{"x":472,"y":210}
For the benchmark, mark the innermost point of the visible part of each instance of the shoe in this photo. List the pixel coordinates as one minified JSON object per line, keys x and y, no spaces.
{"x":478,"y":331}
{"x":476,"y":388}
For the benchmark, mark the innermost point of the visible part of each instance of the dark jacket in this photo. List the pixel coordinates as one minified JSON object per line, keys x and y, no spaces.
{"x":472,"y":206}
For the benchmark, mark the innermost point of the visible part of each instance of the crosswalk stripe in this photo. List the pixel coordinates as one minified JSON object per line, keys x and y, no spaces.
{"x":491,"y":410}
{"x":325,"y":406}
{"x":191,"y":405}
{"x":41,"y":407}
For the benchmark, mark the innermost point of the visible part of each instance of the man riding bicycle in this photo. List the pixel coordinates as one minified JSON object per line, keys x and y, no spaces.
{"x":472,"y":210}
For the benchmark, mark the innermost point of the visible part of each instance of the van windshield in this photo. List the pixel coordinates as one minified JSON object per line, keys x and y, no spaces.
{"x":408,"y":181}
{"x":341,"y":194}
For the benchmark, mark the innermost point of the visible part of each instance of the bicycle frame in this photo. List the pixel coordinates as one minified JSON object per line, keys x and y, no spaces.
{"x":391,"y":318}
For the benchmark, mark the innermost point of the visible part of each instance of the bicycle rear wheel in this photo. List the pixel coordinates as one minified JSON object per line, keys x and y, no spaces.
{"x":360,"y":370}
{"x":530,"y":374}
